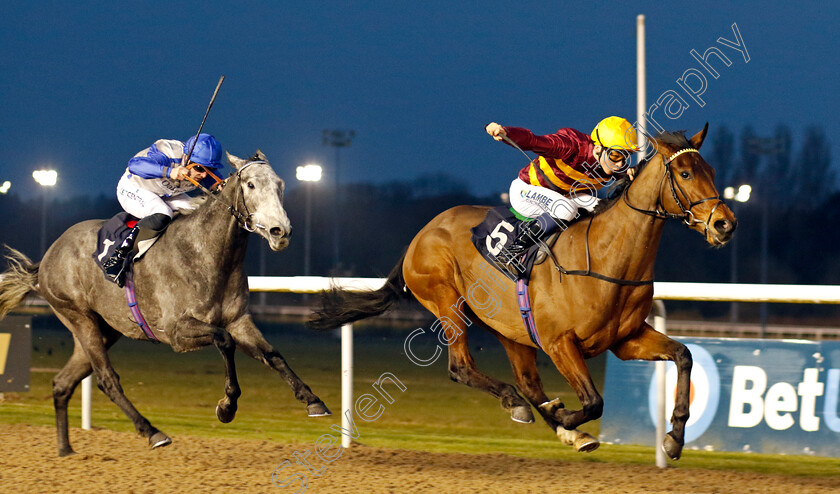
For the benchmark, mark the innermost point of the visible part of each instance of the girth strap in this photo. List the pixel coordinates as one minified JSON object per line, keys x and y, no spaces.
{"x":525,"y":310}
{"x":135,"y":309}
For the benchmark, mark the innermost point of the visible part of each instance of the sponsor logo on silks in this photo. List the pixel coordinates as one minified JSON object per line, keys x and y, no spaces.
{"x":703,"y":398}
{"x":536,"y":197}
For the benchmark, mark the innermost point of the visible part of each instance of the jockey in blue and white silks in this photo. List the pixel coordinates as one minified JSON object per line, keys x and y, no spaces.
{"x":155,"y":185}
{"x":154,"y":181}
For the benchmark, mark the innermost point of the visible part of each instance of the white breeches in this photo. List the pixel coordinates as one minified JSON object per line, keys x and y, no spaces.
{"x":532,"y":201}
{"x":140,"y":202}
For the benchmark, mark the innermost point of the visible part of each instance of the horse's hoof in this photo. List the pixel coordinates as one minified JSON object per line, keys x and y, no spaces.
{"x":581,"y":441}
{"x":671,"y":447}
{"x":68,"y":451}
{"x":225,"y":413}
{"x":586,"y":443}
{"x":318,"y":409}
{"x":159,"y":440}
{"x":522,"y":414}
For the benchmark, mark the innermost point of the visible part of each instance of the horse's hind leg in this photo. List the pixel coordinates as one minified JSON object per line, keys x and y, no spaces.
{"x":523,"y":361}
{"x":191,"y":334}
{"x":64,"y":384}
{"x":462,"y":368}
{"x":650,"y":344}
{"x":252,"y":342}
{"x":85,"y":328}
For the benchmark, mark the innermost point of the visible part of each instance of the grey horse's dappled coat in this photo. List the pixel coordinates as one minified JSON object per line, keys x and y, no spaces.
{"x":190,"y":285}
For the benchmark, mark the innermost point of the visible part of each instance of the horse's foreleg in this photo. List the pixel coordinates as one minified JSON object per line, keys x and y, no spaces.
{"x":86,"y":330}
{"x":189,"y":334}
{"x":252,"y":342}
{"x":649,"y":344}
{"x":568,"y":359}
{"x":523,"y":361}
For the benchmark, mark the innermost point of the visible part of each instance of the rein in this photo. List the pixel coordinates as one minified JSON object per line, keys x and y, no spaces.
{"x":245,"y":219}
{"x":687,"y":217}
{"x":588,"y":271}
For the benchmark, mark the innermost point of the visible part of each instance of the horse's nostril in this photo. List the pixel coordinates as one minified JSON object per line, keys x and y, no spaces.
{"x":276,"y":231}
{"x":724,"y":226}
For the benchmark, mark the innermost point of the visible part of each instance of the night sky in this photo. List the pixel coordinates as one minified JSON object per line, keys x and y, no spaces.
{"x":85,"y":85}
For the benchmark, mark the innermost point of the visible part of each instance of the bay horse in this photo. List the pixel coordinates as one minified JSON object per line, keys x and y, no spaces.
{"x":190,"y":285}
{"x":577,"y":317}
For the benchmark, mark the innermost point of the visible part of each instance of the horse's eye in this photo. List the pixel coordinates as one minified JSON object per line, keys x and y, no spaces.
{"x":250,"y":185}
{"x":685,"y":175}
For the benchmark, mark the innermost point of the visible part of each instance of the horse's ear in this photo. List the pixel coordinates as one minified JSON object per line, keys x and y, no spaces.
{"x":260,"y":156}
{"x":699,"y":137}
{"x":234,"y":161}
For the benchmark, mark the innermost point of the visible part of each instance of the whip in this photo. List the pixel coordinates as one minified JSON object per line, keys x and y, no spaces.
{"x":212,"y":100}
{"x":195,"y":140}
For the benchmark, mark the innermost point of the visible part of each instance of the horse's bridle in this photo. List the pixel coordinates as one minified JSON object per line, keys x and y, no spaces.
{"x":687,"y":215}
{"x":246,"y":219}
{"x":660,"y":213}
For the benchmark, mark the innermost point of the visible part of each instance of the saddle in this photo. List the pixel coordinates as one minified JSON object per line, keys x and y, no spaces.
{"x":493,"y":236}
{"x":112,"y":234}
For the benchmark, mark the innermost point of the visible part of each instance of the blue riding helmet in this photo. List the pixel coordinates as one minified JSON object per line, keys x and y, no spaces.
{"x":207,"y":151}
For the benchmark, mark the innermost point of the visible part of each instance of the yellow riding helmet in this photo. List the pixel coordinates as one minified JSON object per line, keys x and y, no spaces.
{"x":615,"y":132}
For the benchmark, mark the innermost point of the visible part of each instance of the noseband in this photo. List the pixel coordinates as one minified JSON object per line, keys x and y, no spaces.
{"x":687,"y":215}
{"x":246,"y":220}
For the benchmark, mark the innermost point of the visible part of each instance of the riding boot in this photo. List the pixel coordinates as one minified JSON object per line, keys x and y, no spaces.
{"x":532,"y":232}
{"x":151,"y":226}
{"x":115,"y":266}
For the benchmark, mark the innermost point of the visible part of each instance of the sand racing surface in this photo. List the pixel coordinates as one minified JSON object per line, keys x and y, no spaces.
{"x":117,"y":462}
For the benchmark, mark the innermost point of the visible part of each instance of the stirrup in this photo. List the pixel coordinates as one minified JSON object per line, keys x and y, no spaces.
{"x":521,"y":245}
{"x":115,"y":268}
{"x":545,"y":249}
{"x":116,"y":259}
{"x":515,"y":250}
{"x":117,"y":277}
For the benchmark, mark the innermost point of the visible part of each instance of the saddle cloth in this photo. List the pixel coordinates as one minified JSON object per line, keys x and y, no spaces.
{"x":493,"y":236}
{"x":111,"y":236}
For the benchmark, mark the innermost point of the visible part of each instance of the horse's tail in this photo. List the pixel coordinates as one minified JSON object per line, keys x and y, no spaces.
{"x":17,"y":281}
{"x":340,"y":306}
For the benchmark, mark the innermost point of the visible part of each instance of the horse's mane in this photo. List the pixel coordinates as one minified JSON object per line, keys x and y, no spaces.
{"x":674,"y":139}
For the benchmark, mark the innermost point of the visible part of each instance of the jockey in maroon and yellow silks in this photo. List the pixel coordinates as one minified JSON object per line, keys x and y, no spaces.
{"x":569,"y":169}
{"x":565,"y":160}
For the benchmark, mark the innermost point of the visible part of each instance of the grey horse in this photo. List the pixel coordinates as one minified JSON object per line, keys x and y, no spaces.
{"x":190,"y":286}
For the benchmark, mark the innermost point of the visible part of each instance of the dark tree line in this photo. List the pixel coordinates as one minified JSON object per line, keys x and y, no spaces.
{"x":779,"y":175}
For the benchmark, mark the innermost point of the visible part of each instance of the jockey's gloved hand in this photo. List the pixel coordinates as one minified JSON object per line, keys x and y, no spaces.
{"x":497,"y":131}
{"x":178,"y":173}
